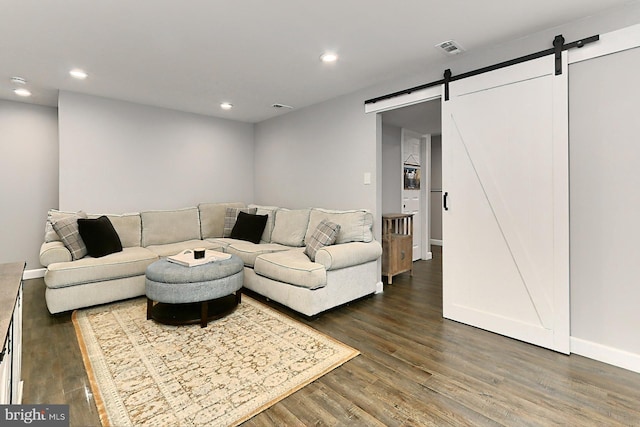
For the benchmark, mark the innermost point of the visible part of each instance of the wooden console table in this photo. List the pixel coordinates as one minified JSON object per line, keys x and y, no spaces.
{"x":397,"y":245}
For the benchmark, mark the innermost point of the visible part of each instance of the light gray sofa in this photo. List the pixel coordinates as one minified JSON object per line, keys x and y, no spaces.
{"x":276,"y":268}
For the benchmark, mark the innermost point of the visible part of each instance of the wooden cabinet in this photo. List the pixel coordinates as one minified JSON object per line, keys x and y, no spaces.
{"x":397,"y":245}
{"x":11,"y":331}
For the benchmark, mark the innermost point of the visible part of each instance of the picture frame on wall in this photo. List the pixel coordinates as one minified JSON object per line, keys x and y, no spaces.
{"x":411,"y":177}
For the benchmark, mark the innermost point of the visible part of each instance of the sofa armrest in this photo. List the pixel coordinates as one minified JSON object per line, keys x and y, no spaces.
{"x":54,"y":252}
{"x":344,"y":255}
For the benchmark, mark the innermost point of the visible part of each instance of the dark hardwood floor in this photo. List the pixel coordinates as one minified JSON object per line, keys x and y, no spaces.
{"x":416,"y":369}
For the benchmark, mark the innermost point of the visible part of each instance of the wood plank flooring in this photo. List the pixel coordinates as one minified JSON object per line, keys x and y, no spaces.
{"x":416,"y":369}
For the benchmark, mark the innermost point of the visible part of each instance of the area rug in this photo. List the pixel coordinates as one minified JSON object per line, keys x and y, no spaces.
{"x":146,"y":374}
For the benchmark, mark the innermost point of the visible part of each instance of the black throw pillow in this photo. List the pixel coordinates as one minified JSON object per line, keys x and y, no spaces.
{"x":249,"y":227}
{"x":99,"y":236}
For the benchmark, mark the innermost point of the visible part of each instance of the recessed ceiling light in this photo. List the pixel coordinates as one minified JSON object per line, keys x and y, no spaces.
{"x":18,"y":80}
{"x":77,"y":73}
{"x":226,"y":106}
{"x":329,"y":57}
{"x":22,"y":92}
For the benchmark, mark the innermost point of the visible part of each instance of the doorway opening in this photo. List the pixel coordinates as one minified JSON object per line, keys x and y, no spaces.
{"x":412,"y":170}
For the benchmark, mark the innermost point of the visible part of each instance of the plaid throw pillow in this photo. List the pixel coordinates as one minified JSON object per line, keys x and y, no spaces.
{"x":230,"y":217}
{"x":324,"y":235}
{"x":67,"y":229}
{"x":53,"y":215}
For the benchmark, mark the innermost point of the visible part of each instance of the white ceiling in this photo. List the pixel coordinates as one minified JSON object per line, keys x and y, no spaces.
{"x":191,"y":55}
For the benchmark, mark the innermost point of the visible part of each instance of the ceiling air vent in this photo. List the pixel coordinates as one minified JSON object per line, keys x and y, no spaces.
{"x":18,"y":80}
{"x":450,"y":47}
{"x":282,"y":106}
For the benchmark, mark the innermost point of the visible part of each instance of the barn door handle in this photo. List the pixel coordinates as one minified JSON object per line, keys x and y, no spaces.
{"x":444,"y":201}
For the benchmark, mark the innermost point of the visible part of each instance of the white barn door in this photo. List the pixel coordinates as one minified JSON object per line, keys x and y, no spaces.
{"x":505,"y":173}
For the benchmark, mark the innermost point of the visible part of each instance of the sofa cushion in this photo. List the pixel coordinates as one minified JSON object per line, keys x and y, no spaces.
{"x":175,"y":248}
{"x":128,"y":263}
{"x":212,"y":218}
{"x":99,"y":236}
{"x":129,"y":228}
{"x":324,"y":235}
{"x":230,"y":218}
{"x":248,"y":251}
{"x":162,"y":227}
{"x":270,"y":211}
{"x":355,"y":225}
{"x":290,"y":227}
{"x":223,"y":242}
{"x":249,"y":227}
{"x":292,"y":267}
{"x":67,"y":229}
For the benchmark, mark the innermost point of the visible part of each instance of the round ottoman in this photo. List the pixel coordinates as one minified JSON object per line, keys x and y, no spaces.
{"x":177,"y":289}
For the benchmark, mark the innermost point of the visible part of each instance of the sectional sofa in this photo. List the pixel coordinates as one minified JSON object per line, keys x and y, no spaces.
{"x":276,"y":267}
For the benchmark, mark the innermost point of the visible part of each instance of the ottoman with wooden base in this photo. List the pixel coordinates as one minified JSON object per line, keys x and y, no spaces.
{"x":186,"y":295}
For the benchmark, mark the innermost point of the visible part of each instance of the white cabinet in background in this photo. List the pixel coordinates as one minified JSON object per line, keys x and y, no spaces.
{"x":11,"y":333}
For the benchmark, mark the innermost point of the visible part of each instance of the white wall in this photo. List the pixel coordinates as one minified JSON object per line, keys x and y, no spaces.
{"x":605,"y":201}
{"x":317,"y":156}
{"x":28,"y":178}
{"x":391,"y":169}
{"x":117,"y":156}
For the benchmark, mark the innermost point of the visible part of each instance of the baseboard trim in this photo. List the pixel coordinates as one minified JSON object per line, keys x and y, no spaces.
{"x":606,"y":354}
{"x":33,"y":274}
{"x":379,"y":288}
{"x":436,"y":242}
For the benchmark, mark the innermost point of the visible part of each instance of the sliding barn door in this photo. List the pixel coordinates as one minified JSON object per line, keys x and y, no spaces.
{"x":505,"y":223}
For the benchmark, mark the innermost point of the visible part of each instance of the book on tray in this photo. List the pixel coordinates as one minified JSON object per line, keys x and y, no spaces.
{"x":187,"y":259}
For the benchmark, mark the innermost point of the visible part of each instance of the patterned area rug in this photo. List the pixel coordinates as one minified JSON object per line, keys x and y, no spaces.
{"x":144,"y":373}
